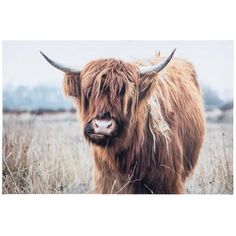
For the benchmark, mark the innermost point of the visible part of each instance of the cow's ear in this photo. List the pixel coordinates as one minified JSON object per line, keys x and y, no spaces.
{"x":71,"y":84}
{"x":146,"y":85}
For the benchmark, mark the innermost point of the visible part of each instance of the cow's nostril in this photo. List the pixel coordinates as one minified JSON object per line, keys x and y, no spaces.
{"x":96,"y":125}
{"x":109,"y":125}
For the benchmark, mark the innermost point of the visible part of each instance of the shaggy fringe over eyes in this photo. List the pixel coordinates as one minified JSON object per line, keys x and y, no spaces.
{"x":71,"y":85}
{"x":116,"y":79}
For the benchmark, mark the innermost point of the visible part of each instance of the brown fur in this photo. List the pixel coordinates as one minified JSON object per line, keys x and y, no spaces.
{"x":163,"y":119}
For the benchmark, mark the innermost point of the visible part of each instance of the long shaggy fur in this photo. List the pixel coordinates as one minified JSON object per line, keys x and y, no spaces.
{"x":163,"y":124}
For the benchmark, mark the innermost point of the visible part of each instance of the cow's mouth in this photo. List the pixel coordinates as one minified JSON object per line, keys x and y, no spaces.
{"x":97,"y":136}
{"x":100,"y":139}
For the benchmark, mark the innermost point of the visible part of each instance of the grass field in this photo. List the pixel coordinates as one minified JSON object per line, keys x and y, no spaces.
{"x":48,"y":154}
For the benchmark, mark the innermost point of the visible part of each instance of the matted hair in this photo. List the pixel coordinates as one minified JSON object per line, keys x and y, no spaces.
{"x":163,"y":118}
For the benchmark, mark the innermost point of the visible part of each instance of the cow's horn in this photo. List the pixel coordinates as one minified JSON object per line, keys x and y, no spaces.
{"x":156,"y":68}
{"x":59,"y":66}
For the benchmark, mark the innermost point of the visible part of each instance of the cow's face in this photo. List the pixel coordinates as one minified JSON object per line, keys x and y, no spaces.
{"x":109,"y":94}
{"x":107,"y":99}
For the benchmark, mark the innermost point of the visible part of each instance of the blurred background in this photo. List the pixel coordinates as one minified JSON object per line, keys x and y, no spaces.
{"x":30,"y":83}
{"x":44,"y":150}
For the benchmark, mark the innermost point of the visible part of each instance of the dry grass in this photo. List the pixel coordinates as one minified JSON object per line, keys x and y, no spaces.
{"x":43,"y":156}
{"x":214,"y":172}
{"x":47,"y":154}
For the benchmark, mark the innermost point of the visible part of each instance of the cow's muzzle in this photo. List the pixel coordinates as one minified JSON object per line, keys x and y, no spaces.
{"x":101,"y":131}
{"x":103,"y":126}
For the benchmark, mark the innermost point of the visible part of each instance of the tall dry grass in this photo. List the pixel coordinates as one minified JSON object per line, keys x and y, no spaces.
{"x":214,"y":172}
{"x":47,"y":154}
{"x":44,"y":157}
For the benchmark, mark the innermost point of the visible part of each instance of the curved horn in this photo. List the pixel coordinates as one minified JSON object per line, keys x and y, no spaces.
{"x":156,"y":68}
{"x":59,"y":66}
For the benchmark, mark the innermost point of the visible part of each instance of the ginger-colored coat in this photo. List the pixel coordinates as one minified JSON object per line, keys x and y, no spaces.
{"x":163,"y":122}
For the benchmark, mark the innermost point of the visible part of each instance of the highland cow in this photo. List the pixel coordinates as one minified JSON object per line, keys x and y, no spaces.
{"x":145,"y":123}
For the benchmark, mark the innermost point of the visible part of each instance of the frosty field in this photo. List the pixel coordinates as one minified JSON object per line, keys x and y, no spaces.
{"x":48,"y":154}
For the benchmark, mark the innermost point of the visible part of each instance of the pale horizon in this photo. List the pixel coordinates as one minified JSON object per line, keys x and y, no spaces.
{"x":24,"y":65}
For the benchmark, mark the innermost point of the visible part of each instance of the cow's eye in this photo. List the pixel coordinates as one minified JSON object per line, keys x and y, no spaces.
{"x":87,"y":95}
{"x":86,"y":102}
{"x":122,"y":91}
{"x":104,"y":76}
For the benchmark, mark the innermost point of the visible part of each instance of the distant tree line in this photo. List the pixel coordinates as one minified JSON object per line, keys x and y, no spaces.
{"x":43,"y":98}
{"x":211,"y":98}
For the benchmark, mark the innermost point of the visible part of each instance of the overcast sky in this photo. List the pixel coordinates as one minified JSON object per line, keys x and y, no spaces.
{"x":23,"y":64}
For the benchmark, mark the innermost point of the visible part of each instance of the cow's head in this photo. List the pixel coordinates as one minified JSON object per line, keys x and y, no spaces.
{"x":109,"y":94}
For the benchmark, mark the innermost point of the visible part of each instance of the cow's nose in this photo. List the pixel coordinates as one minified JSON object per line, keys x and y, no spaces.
{"x":103,"y":126}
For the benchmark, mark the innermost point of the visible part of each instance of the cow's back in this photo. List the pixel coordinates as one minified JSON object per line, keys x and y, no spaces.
{"x":178,"y":96}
